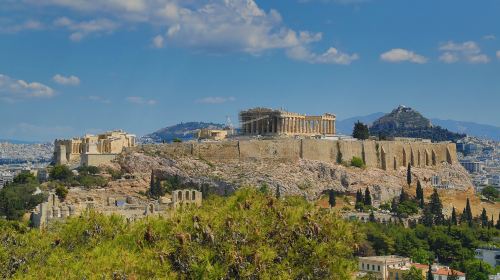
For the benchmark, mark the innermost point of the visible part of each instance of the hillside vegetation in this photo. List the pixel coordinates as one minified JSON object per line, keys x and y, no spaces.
{"x":249,"y":235}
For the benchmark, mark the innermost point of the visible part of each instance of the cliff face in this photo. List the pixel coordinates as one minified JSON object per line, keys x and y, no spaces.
{"x":303,"y":177}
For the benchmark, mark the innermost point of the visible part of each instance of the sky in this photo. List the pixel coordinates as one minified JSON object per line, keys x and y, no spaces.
{"x":70,"y":67}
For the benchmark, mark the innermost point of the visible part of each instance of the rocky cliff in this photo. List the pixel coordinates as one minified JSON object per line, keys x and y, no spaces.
{"x":303,"y":177}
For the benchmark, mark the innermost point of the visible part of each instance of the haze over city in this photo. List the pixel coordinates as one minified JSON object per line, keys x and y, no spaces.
{"x":70,"y":67}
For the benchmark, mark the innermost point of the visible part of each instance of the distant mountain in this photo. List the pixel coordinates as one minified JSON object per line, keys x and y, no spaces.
{"x":13,"y":141}
{"x":346,"y":126}
{"x":183,"y":131}
{"x":470,"y":128}
{"x":473,"y":129}
{"x":407,"y":122}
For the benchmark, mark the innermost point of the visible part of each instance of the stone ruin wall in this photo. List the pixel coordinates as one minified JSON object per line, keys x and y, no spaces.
{"x":387,"y":155}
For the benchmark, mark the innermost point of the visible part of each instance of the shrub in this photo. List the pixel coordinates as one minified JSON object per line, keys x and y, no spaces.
{"x":357,"y":162}
{"x":61,"y":192}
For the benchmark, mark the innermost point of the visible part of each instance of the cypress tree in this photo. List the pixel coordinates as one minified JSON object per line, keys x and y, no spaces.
{"x":408,"y":174}
{"x":429,"y":273}
{"x":359,"y":200}
{"x":467,"y":215}
{"x":420,"y":194}
{"x":360,"y":131}
{"x":436,"y":208}
{"x":331,"y":198}
{"x":368,"y":197}
{"x":394,"y":205}
{"x":278,"y":192}
{"x":403,"y":196}
{"x":484,"y":218}
{"x":453,"y":219}
{"x":372,"y":217}
{"x":427,"y":217}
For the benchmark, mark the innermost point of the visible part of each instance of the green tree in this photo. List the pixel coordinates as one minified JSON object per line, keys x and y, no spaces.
{"x":331,"y":198}
{"x":477,"y":269}
{"x":453,"y":219}
{"x":436,"y":208}
{"x":360,"y":131}
{"x":413,"y":274}
{"x":420,"y":194}
{"x":427,"y":217}
{"x":18,"y":197}
{"x":467,"y":214}
{"x":484,"y":218}
{"x":408,"y":174}
{"x":359,"y":200}
{"x":490,"y":192}
{"x":177,"y":140}
{"x":368,"y":197}
{"x":429,"y":273}
{"x":278,"y":192}
{"x":61,"y":173}
{"x":371,"y":218}
{"x":403,"y":196}
{"x":156,"y":189}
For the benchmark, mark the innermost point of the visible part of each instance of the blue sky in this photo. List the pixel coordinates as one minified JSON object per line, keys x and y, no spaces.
{"x":68,"y":67}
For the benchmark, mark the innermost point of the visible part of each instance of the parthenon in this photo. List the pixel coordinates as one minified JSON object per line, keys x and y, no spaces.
{"x":265,"y":121}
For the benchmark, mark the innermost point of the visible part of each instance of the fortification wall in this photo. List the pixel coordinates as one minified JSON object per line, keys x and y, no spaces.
{"x":388,"y":155}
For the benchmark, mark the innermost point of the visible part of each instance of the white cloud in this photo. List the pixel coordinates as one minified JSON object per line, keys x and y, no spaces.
{"x":467,"y":51}
{"x":84,"y":28}
{"x":99,"y":99}
{"x":7,"y":27}
{"x":401,"y":55}
{"x":498,"y":54}
{"x":215,"y":100}
{"x":218,"y":26}
{"x":331,"y":56}
{"x":489,"y":37}
{"x":12,"y":89}
{"x":67,"y":81}
{"x":158,"y":41}
{"x":140,"y":100}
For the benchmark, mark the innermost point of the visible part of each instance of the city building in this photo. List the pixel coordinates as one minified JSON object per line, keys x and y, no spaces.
{"x":378,"y":265}
{"x":213,"y":134}
{"x":472,"y":166}
{"x":490,"y":256}
{"x":438,"y":272}
{"x":265,"y":121}
{"x":92,"y":149}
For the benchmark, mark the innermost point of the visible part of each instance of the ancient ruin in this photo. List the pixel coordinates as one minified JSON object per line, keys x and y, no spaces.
{"x":265,"y":121}
{"x":92,"y":149}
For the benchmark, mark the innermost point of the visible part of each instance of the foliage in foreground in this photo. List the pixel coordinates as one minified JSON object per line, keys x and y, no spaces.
{"x":247,"y":235}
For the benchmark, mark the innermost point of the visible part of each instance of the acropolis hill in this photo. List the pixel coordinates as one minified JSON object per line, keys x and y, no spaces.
{"x":301,"y":155}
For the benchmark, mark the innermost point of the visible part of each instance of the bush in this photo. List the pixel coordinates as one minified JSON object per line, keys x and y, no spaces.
{"x":61,"y":192}
{"x":18,"y":197}
{"x":89,"y":170}
{"x":357,"y":162}
{"x":245,"y":235}
{"x":115,"y":174}
{"x":490,"y":192}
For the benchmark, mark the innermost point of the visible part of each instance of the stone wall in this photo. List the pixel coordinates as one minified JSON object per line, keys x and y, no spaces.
{"x":388,"y":155}
{"x":96,"y":159}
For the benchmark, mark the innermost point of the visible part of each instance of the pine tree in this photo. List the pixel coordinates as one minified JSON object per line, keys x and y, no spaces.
{"x":360,"y":201}
{"x":360,"y":131}
{"x":408,"y":174}
{"x":427,"y":217}
{"x":420,"y":194}
{"x":436,"y":208}
{"x":429,"y":273}
{"x":368,"y":197}
{"x":394,"y":205}
{"x":331,"y":198}
{"x":453,"y":219}
{"x":403,"y":196}
{"x":372,"y":217}
{"x":278,"y":192}
{"x":484,"y":218}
